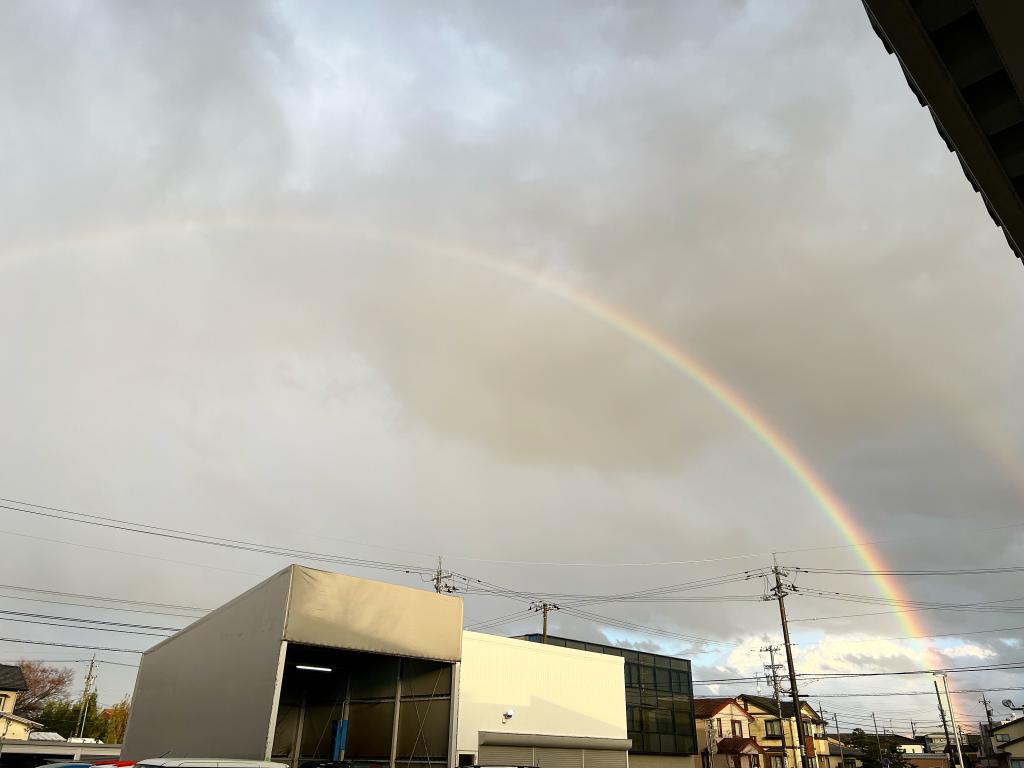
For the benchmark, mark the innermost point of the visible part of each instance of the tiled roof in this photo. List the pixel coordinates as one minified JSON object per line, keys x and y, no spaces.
{"x":734,"y":745}
{"x":11,"y":678}
{"x":709,"y":707}
{"x":768,"y":704}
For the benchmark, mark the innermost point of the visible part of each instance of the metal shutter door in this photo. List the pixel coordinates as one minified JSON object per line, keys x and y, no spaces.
{"x":604,"y":758}
{"x":552,"y":757}
{"x":506,"y":755}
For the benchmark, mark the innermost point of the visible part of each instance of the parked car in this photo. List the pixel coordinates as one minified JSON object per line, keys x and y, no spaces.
{"x":204,"y":762}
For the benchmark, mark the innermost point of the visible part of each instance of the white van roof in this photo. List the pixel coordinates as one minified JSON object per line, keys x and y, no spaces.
{"x":206,"y":762}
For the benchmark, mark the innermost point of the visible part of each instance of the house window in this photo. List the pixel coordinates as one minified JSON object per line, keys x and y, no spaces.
{"x":773,"y":727}
{"x":737,"y":728}
{"x":776,"y":761}
{"x":718,"y":726}
{"x":1001,"y":737}
{"x":755,"y":761}
{"x":1017,"y":764}
{"x":3,"y":702}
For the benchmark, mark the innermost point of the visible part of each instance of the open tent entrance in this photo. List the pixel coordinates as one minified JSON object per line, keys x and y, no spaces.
{"x":350,"y":705}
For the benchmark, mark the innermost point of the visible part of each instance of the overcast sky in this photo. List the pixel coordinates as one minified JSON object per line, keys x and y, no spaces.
{"x":236,"y":300}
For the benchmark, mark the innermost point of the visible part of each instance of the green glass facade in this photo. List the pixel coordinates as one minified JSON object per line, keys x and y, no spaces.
{"x":659,"y":698}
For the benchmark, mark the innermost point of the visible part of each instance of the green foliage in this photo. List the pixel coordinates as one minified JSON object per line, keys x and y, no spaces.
{"x":63,"y":716}
{"x":897,"y":759}
{"x":116,"y":721}
{"x":868,"y":745}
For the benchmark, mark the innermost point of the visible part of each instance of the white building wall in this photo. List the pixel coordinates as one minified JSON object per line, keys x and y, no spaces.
{"x":553,"y":691}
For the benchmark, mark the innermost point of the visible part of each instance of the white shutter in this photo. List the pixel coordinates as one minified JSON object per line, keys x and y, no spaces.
{"x":553,"y":757}
{"x":604,"y":758}
{"x":506,"y":755}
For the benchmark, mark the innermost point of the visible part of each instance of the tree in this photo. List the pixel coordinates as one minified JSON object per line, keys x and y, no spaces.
{"x":64,"y":716}
{"x":897,"y":758}
{"x":116,"y":721}
{"x":868,"y":747}
{"x":45,"y":683}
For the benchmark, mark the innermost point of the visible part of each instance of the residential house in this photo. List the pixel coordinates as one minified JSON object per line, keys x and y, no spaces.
{"x":724,"y":739}
{"x":908,"y":745}
{"x":936,"y":743}
{"x":12,"y":726}
{"x":770,"y":731}
{"x":1008,"y":740}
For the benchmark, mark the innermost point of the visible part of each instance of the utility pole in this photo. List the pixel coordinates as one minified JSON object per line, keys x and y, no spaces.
{"x":942,"y":712}
{"x":773,"y":670}
{"x":877,"y":740}
{"x":986,"y":742}
{"x":443,"y":580}
{"x":839,"y":738}
{"x":83,"y":715}
{"x":544,"y":607}
{"x":779,"y":593}
{"x":712,"y":743}
{"x":952,"y":721}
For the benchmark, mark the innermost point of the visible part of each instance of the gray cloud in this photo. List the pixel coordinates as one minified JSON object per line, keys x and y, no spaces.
{"x":755,"y":184}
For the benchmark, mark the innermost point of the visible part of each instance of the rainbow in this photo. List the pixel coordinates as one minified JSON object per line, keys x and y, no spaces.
{"x":632,"y":328}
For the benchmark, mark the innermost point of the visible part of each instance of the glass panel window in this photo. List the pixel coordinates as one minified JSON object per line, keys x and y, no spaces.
{"x":662,"y":679}
{"x":646,"y":676}
{"x":1003,"y":737}
{"x":773,"y":728}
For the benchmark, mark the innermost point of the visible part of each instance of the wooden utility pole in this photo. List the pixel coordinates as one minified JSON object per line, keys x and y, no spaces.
{"x":779,"y":593}
{"x":544,"y":608}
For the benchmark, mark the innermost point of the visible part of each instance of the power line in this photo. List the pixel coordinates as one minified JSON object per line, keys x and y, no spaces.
{"x":911,"y":572}
{"x":987,"y":605}
{"x":927,"y":637}
{"x":67,"y":645}
{"x":113,"y":523}
{"x":93,"y":629}
{"x":119,"y":600}
{"x":97,"y":607}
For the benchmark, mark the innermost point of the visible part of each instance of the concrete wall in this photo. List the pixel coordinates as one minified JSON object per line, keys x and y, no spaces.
{"x":553,"y":691}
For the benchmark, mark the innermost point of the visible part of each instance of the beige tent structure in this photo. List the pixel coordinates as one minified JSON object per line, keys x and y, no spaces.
{"x":306,"y":665}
